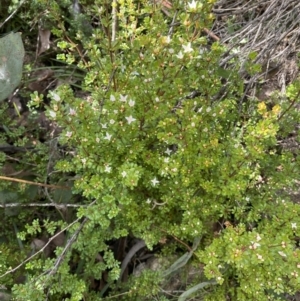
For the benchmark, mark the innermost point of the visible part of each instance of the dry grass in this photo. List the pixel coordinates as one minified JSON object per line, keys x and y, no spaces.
{"x":270,"y":28}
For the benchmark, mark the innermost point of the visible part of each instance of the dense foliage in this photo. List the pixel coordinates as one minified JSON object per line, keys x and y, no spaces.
{"x":159,"y":146}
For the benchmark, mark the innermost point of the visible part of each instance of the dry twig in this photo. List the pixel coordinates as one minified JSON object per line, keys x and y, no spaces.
{"x":269,"y":28}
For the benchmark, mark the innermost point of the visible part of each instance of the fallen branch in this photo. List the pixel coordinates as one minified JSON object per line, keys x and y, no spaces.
{"x":70,"y":242}
{"x":33,"y":183}
{"x":58,"y":206}
{"x":41,"y":250}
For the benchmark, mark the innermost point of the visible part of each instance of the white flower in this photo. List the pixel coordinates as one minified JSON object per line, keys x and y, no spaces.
{"x":107,"y":137}
{"x":187,"y":48}
{"x":208,"y":109}
{"x":154,"y":182}
{"x":69,"y":134}
{"x":180,"y":55}
{"x":111,"y":121}
{"x":124,"y":173}
{"x":107,"y":169}
{"x":295,"y":274}
{"x":112,"y":98}
{"x":72,"y":112}
{"x":55,"y":96}
{"x":166,"y":160}
{"x":171,"y":50}
{"x":148,"y":201}
{"x":130,"y":119}
{"x":254,"y":245}
{"x":282,"y":254}
{"x":52,"y":114}
{"x":166,"y":40}
{"x":131,"y":103}
{"x":156,"y":99}
{"x":97,"y":140}
{"x":104,"y":125}
{"x":259,"y":257}
{"x":258,"y":238}
{"x":134,"y":73}
{"x":192,"y":5}
{"x":168,"y":152}
{"x":123,"y":98}
{"x":294,"y":225}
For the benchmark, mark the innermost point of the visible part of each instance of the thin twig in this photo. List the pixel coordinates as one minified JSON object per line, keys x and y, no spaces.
{"x":157,"y":204}
{"x":70,"y":242}
{"x":33,"y":183}
{"x":114,"y":21}
{"x":41,"y":250}
{"x":290,"y":106}
{"x":12,"y":14}
{"x":177,"y":239}
{"x":58,"y":206}
{"x":53,"y":147}
{"x":77,"y":48}
{"x":211,"y":34}
{"x":172,"y":25}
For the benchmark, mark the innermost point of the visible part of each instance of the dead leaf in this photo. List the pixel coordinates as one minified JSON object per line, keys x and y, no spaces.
{"x":59,"y":240}
{"x":165,"y":3}
{"x":37,"y":244}
{"x":43,"y":80}
{"x":44,"y":40}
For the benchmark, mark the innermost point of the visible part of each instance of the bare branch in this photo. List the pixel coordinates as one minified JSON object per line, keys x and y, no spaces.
{"x":41,"y":250}
{"x":114,"y":20}
{"x":12,"y":14}
{"x":70,"y":242}
{"x":33,"y":183}
{"x":58,"y":206}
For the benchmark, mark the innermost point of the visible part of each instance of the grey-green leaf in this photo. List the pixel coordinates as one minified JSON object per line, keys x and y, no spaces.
{"x":196,"y":288}
{"x":11,"y":63}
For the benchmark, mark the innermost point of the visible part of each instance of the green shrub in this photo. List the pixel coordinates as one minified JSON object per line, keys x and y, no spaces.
{"x":157,"y":150}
